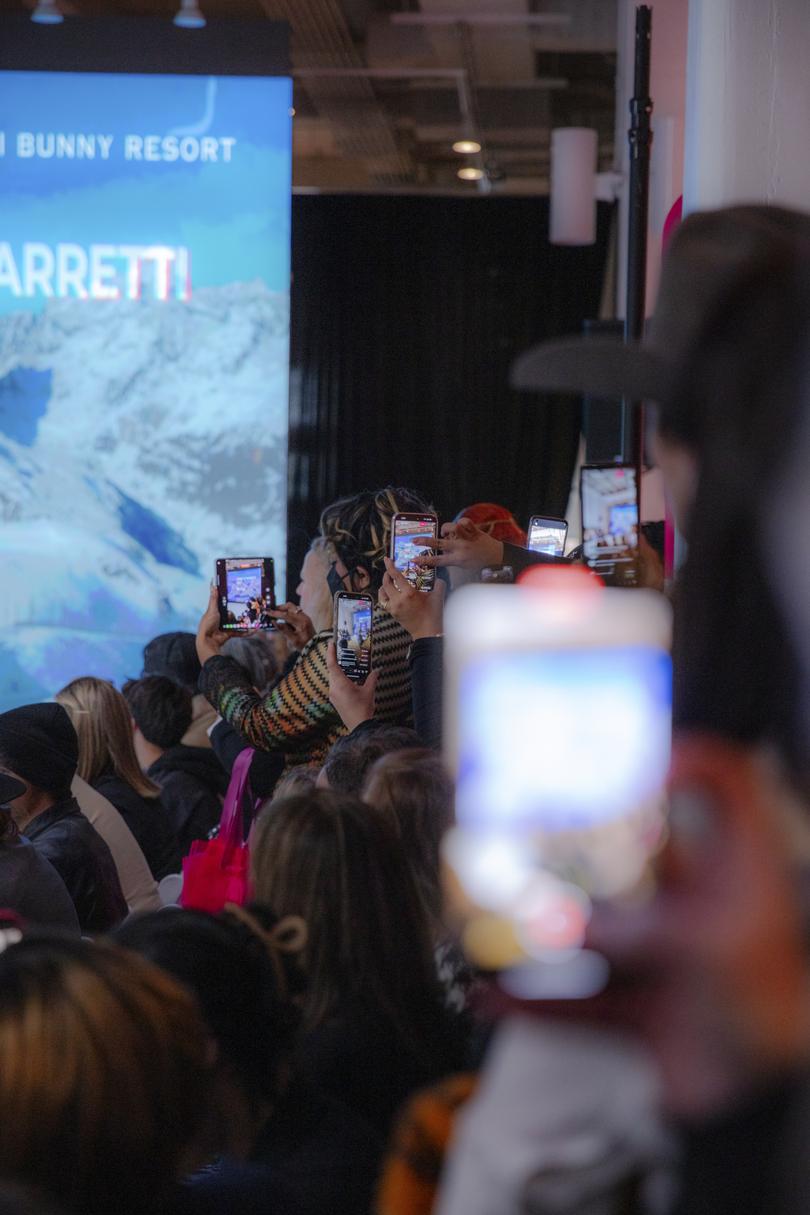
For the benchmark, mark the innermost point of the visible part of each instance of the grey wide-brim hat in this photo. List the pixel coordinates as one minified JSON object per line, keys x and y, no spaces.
{"x":710,"y":256}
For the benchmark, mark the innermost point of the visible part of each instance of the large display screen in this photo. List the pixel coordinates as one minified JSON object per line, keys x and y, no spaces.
{"x":144,"y":320}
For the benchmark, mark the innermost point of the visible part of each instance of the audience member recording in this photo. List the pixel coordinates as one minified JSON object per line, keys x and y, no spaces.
{"x":258,"y":1060}
{"x":297,"y":718}
{"x":190,"y":779}
{"x":107,"y":761}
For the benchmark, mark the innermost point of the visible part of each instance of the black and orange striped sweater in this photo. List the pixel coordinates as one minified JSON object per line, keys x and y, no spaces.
{"x":296,"y":717}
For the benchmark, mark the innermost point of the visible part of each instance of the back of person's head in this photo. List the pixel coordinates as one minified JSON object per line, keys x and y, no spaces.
{"x":358,"y":528}
{"x":243,"y":972}
{"x":102,"y":722}
{"x":350,"y":759}
{"x":299,"y":779}
{"x":413,"y":789}
{"x":325,"y":857}
{"x":38,"y":743}
{"x":104,"y":1075}
{"x":258,"y":655}
{"x":497,"y":521}
{"x":175,"y":655}
{"x":739,"y":404}
{"x":160,"y":708}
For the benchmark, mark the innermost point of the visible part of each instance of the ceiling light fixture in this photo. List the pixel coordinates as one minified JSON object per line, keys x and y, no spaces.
{"x":189,"y":16}
{"x":467,"y":147}
{"x":46,"y":13}
{"x":470,"y":173}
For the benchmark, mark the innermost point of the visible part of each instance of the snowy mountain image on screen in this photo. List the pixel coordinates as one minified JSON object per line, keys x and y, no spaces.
{"x":123,"y":478}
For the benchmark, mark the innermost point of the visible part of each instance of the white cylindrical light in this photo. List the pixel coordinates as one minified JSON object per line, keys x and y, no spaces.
{"x":573,"y":186}
{"x":189,"y":16}
{"x":46,"y":13}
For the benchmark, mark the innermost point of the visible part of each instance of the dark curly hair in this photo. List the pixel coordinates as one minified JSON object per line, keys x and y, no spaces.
{"x":358,"y":528}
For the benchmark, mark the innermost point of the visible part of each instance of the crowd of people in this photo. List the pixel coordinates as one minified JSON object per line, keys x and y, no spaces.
{"x":326,"y":1048}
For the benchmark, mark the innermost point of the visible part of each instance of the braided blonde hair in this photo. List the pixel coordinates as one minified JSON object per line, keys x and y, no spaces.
{"x":358,"y":528}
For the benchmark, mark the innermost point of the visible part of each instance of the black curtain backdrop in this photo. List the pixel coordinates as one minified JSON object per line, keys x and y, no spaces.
{"x":406,"y":315}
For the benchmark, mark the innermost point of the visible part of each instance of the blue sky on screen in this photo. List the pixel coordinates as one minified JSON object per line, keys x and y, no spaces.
{"x":232,"y":214}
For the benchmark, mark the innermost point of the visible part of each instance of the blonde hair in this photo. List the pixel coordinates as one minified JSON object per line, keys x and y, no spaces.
{"x":105,"y":1068}
{"x":103,"y":724}
{"x":358,"y":528}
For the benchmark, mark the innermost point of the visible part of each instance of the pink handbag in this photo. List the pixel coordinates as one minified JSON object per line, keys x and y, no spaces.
{"x":217,"y":871}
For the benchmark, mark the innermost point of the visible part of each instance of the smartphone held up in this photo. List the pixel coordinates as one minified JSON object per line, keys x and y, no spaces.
{"x":547,"y":535}
{"x":610,"y":522}
{"x":558,"y":732}
{"x":245,"y":593}
{"x":408,"y":535}
{"x":353,"y":628}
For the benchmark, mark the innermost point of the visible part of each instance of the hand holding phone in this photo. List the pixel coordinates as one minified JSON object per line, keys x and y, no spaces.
{"x":408,"y":533}
{"x":421,"y":615}
{"x":245,"y":593}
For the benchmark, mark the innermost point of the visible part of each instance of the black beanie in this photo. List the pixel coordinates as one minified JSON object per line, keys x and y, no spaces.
{"x":173,"y":655}
{"x":38,"y":744}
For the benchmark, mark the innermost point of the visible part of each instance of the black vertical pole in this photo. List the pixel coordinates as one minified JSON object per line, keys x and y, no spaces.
{"x":640,"y":138}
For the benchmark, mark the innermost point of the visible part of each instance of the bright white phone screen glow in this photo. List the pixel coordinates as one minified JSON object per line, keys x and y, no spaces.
{"x":562,"y":740}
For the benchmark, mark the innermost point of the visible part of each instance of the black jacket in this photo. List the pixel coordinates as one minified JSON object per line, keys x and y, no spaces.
{"x":192,"y":783}
{"x":427,"y":675}
{"x":266,"y":767}
{"x":31,"y":887}
{"x":84,"y":863}
{"x":148,"y":822}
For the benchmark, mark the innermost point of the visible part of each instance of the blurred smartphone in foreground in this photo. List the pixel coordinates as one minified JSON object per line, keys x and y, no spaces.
{"x":353,"y":633}
{"x":245,"y":592}
{"x":406,"y":532}
{"x":547,"y":535}
{"x":609,"y":499}
{"x":558,"y":732}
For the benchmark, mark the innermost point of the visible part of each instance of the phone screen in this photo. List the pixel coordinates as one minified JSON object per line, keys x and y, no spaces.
{"x":407,"y":531}
{"x":353,"y":628}
{"x":547,"y":536}
{"x":246,"y":591}
{"x":563,"y":740}
{"x":610,"y":522}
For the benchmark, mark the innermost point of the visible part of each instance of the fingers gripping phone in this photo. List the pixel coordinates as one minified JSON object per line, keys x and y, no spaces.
{"x":246,"y":592}
{"x":547,"y":535}
{"x":353,"y":628}
{"x":407,"y":530}
{"x":609,"y":497}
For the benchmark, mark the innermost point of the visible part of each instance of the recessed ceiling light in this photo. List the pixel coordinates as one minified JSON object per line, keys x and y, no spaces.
{"x":189,"y":15}
{"x":467,"y":147}
{"x":46,"y":13}
{"x":470,"y":173}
